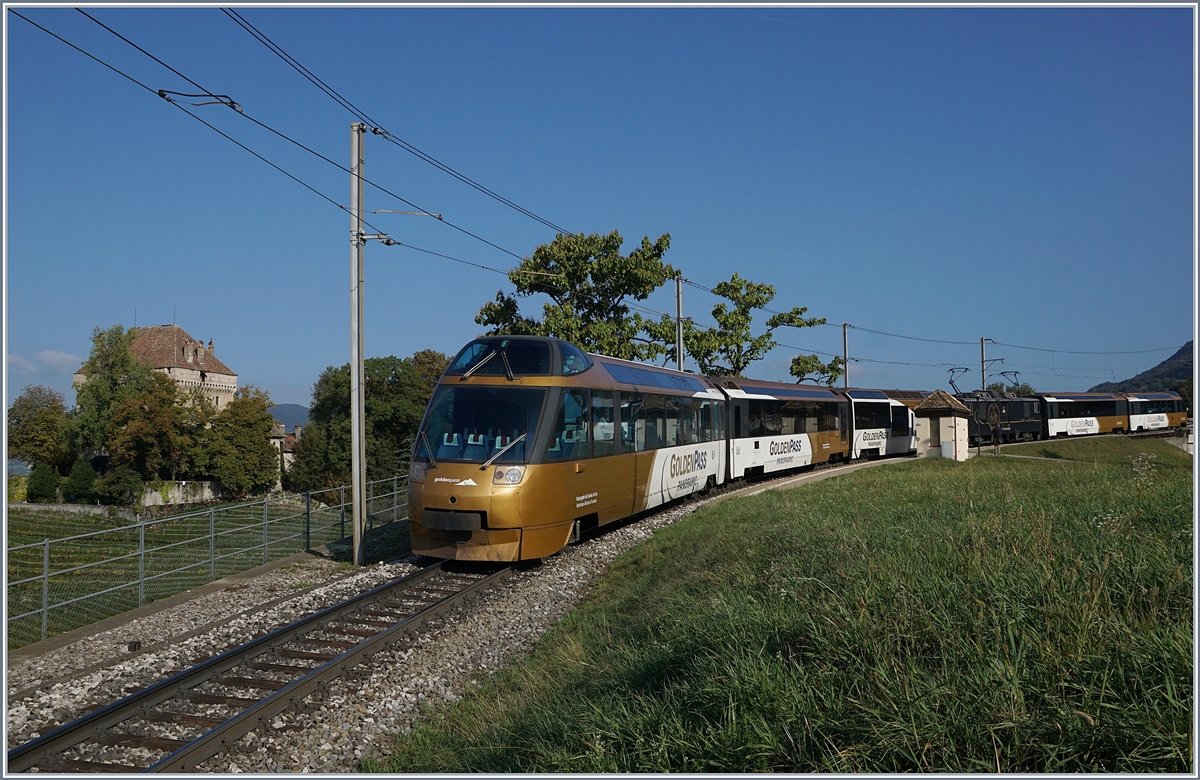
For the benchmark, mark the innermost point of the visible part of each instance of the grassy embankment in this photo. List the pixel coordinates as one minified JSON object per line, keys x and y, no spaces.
{"x":998,"y":615}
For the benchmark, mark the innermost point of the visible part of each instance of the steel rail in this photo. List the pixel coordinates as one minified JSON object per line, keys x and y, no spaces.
{"x":141,"y":702}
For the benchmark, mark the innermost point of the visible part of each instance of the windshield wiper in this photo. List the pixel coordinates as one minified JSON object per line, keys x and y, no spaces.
{"x":429,"y":450}
{"x":477,"y":366}
{"x":510,"y":445}
{"x":507,"y":368}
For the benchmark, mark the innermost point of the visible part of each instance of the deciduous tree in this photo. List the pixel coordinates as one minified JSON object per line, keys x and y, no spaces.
{"x":241,"y":455}
{"x":396,"y":391}
{"x":38,"y":427}
{"x":588,"y":282}
{"x":144,"y":432}
{"x":810,"y":367}
{"x":114,"y":374}
{"x":1022,"y":389}
{"x":731,"y":347}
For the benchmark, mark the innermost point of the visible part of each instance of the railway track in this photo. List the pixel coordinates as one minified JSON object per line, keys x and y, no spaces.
{"x":174,"y":725}
{"x":178,"y":723}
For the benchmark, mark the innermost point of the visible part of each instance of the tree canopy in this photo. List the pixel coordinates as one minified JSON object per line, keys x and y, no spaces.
{"x":589,"y":283}
{"x":1021,"y":389}
{"x":396,"y":393}
{"x":731,"y":347}
{"x":241,"y":455}
{"x":38,"y":427}
{"x":114,"y":375}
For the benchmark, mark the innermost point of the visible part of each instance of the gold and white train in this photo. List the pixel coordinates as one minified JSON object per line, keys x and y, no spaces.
{"x":529,"y":442}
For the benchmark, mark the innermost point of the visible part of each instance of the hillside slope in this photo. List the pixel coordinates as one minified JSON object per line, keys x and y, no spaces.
{"x":1164,"y":376}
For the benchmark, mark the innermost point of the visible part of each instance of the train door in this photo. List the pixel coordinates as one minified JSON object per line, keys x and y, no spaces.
{"x":614,"y":463}
{"x":740,"y":447}
{"x":902,"y":436}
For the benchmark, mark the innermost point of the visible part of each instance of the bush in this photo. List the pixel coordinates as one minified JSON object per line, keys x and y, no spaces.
{"x":120,"y":487}
{"x":79,"y":485}
{"x":43,"y":485}
{"x":16,"y":488}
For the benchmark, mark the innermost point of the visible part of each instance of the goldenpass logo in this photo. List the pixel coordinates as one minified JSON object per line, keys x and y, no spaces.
{"x":686,"y":464}
{"x":874,"y":435}
{"x":787,"y":447}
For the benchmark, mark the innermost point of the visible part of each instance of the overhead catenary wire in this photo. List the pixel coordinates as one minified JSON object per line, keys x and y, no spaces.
{"x":376,"y":127}
{"x":291,"y":140}
{"x":226,"y":100}
{"x":294,"y":178}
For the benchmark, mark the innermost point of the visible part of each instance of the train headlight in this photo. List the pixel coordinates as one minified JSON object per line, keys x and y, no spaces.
{"x":416,"y":472}
{"x":508,"y":475}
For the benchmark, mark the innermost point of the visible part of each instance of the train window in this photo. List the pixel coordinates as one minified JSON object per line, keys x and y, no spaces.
{"x":671,"y":437}
{"x":472,"y":423}
{"x":574,"y":361}
{"x":524,"y":358}
{"x":707,"y":421}
{"x":829,"y":418}
{"x":631,"y":404}
{"x":871,"y":415}
{"x":570,"y":437}
{"x":651,"y":424}
{"x":602,"y":423}
{"x":900,"y":425}
{"x":689,"y":420}
{"x":737,"y":421}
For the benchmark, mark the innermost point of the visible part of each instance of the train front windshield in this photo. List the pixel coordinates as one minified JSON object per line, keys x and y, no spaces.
{"x":470,"y":424}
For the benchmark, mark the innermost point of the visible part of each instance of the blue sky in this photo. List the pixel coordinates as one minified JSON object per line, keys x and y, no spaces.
{"x":1020,"y":174}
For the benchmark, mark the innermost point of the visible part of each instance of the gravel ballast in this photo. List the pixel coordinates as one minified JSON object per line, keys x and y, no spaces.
{"x":352,"y":721}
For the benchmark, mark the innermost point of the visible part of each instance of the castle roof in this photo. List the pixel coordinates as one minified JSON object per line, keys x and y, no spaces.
{"x":169,"y":346}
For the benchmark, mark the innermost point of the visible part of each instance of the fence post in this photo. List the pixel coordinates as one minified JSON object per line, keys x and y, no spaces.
{"x":264,"y":529}
{"x":370,"y":498}
{"x":45,"y":585}
{"x":307,"y":522}
{"x":395,"y":495}
{"x":342,"y":527}
{"x":212,"y":546}
{"x":141,"y":564}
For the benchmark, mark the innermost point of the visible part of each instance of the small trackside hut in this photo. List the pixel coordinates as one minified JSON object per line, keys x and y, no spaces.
{"x":942,"y":427}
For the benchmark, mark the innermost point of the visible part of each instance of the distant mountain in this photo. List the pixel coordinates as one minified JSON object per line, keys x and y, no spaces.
{"x":1164,"y":376}
{"x":290,"y":415}
{"x":20,"y":468}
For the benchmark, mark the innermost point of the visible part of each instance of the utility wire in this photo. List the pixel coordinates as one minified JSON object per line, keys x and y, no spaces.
{"x":375,"y":126}
{"x":945,"y":341}
{"x":317,"y":154}
{"x":315,"y":191}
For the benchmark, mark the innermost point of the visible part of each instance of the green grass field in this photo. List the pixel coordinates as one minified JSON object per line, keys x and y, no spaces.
{"x":1104,"y":449}
{"x":999,"y":615}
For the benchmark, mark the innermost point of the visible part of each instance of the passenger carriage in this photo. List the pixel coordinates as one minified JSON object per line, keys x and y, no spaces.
{"x":880,"y":425}
{"x":1081,"y":414}
{"x":776,"y":426}
{"x":1155,"y":411}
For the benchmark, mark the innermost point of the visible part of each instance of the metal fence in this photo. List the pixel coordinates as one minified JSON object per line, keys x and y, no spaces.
{"x":59,"y":584}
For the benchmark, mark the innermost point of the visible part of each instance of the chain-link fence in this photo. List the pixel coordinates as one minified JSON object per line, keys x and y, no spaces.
{"x":59,"y":584}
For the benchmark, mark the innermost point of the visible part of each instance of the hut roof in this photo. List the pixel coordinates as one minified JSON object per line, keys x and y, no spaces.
{"x":941,"y":401}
